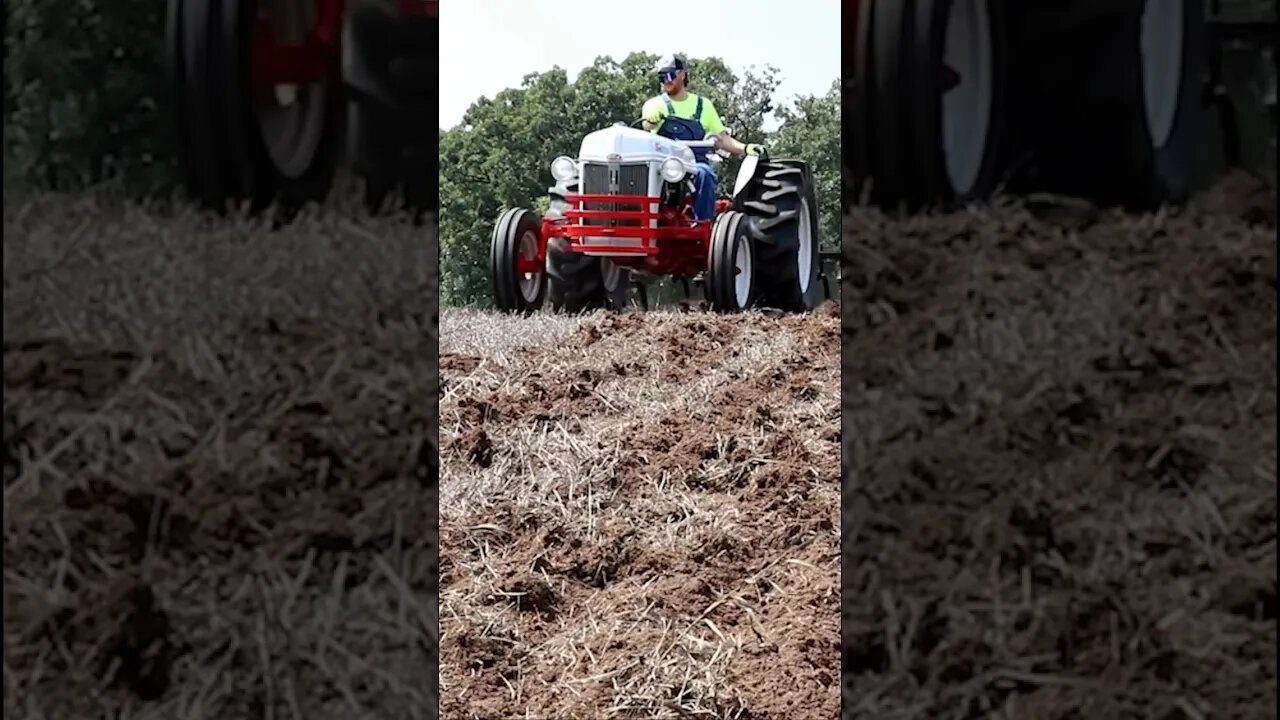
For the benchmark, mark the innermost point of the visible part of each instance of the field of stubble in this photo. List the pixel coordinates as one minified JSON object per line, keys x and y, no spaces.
{"x":639,"y":516}
{"x":219,"y":464}
{"x":1059,"y":431}
{"x":1059,"y":478}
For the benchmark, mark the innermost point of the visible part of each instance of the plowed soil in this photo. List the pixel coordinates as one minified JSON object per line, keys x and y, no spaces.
{"x":220,"y":495}
{"x":1059,"y":430}
{"x":639,"y":516}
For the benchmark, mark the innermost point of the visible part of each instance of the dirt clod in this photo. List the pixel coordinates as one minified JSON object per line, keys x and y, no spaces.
{"x":654,"y":535}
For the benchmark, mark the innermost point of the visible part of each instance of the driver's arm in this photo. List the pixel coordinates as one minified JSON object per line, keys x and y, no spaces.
{"x":714,"y":125}
{"x":725,"y":141}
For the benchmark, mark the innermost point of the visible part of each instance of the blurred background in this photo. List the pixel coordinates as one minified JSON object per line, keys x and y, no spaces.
{"x":86,"y":97}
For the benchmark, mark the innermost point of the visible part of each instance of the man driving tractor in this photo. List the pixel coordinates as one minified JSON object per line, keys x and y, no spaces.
{"x":678,"y":114}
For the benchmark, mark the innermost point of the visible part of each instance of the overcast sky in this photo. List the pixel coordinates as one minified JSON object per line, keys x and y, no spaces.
{"x":489,"y":45}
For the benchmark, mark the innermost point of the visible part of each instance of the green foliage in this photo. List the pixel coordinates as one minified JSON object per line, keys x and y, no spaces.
{"x":85,"y":95}
{"x":499,"y":155}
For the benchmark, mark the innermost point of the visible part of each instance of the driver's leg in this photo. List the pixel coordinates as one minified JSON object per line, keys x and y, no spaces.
{"x":704,"y":201}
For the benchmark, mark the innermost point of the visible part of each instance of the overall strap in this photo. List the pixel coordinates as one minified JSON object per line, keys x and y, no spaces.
{"x":697,"y":113}
{"x":671,"y":107}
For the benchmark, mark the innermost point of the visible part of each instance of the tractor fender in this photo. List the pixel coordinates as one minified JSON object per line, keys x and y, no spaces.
{"x":745,"y":173}
{"x":750,"y":166}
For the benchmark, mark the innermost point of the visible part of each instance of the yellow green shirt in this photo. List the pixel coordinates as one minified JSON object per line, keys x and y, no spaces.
{"x":655,"y":109}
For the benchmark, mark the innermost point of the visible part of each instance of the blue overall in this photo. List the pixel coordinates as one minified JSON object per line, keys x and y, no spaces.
{"x":677,"y":128}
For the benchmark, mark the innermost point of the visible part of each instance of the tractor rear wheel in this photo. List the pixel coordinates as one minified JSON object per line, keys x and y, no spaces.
{"x":390,"y":69}
{"x":617,"y":284}
{"x":781,"y":201}
{"x":515,"y":242}
{"x":731,"y":263}
{"x":580,"y":283}
{"x":1112,"y":102}
{"x":245,"y":133}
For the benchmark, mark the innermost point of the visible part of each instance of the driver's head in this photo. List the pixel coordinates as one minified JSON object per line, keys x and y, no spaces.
{"x":673,"y":73}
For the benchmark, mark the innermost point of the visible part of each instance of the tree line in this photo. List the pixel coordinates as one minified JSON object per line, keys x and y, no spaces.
{"x":498,"y":156}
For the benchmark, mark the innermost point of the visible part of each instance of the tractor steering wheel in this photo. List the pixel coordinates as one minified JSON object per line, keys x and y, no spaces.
{"x":638,"y":124}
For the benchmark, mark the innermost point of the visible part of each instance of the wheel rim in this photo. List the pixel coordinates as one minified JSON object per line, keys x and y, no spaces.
{"x":742,"y":278}
{"x":1162,"y":39}
{"x":529,"y":281}
{"x":291,"y":121}
{"x":804,"y":255}
{"x":966,"y":106}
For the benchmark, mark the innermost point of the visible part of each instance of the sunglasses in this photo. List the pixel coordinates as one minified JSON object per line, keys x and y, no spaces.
{"x":667,"y":76}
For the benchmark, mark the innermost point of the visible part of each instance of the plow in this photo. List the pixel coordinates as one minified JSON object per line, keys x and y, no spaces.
{"x":1137,"y":103}
{"x":272,"y":96}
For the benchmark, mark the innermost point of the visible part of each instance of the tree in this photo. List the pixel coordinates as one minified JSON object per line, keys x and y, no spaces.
{"x":499,"y":155}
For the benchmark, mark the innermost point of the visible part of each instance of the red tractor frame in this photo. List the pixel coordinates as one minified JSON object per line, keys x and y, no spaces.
{"x":677,"y":246}
{"x":761,"y":248}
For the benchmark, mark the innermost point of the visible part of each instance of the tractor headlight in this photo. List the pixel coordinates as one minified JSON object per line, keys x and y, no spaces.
{"x":672,"y":169}
{"x":564,"y":168}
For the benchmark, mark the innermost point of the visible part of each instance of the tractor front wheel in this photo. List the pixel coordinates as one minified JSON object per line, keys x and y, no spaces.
{"x":519,"y":283}
{"x":258,"y":119}
{"x":930,"y":83}
{"x":731,"y":264}
{"x":957,"y":88}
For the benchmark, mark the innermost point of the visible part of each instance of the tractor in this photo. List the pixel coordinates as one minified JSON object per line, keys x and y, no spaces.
{"x":621,"y":213}
{"x":1133,"y":103}
{"x":269,"y":95}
